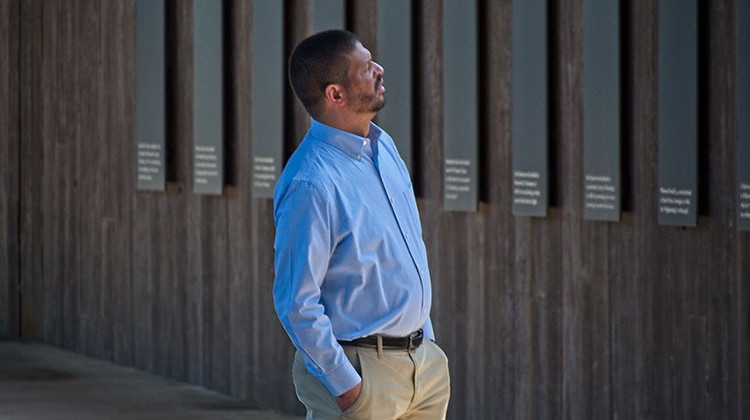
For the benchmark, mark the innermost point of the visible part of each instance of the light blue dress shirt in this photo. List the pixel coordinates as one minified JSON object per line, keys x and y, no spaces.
{"x":350,"y":260}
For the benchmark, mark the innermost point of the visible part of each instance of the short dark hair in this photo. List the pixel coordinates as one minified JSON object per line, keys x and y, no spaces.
{"x":318,"y":61}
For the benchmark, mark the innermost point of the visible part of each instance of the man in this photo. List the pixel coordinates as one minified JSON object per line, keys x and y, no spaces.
{"x":352,"y":287}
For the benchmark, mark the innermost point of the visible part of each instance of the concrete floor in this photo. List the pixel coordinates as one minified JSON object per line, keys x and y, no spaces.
{"x":43,"y":382}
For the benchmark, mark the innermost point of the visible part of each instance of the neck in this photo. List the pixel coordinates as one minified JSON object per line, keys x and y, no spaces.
{"x":358,"y":124}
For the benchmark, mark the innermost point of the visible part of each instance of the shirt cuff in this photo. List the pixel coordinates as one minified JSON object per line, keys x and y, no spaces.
{"x":341,"y":379}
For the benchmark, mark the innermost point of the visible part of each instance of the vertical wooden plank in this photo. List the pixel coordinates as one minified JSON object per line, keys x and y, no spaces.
{"x":55,"y":185}
{"x":152,"y":246}
{"x":183,"y":313}
{"x":501,"y":298}
{"x":268,"y":80}
{"x":631,"y":291}
{"x":653,"y":301}
{"x":208,"y":104}
{"x":10,"y":169}
{"x":213,"y":236}
{"x":601,"y":130}
{"x":718,"y":87}
{"x":462,"y":336}
{"x":239,"y":209}
{"x":31,"y":169}
{"x":210,"y":217}
{"x":172,"y":285}
{"x":297,"y":26}
{"x":742,"y":316}
{"x":460,"y":90}
{"x":327,"y":14}
{"x":529,"y":184}
{"x":66,"y":241}
{"x":741,"y":383}
{"x":394,"y":51}
{"x":743,"y":114}
{"x":92,"y":286}
{"x":538,"y":264}
{"x":145,"y":233}
{"x":585,"y":389}
{"x":81,"y":280}
{"x":150,"y":94}
{"x":678,"y":112}
{"x":118,"y":51}
{"x":362,"y":17}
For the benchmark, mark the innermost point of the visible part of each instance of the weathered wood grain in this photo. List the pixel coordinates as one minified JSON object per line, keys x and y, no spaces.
{"x":181,"y":300}
{"x":501,"y":298}
{"x":31,"y":167}
{"x":10,"y":171}
{"x":119,"y":71}
{"x":239,"y":204}
{"x":91,"y":179}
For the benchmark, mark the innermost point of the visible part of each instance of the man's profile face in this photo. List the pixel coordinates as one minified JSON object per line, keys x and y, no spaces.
{"x":365,"y":88}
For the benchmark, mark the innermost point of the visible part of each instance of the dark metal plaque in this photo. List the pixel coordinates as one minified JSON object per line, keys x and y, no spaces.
{"x":601,"y":110}
{"x":394,"y":54}
{"x":743,"y":155}
{"x":267,"y":95}
{"x":328,"y":14}
{"x":678,"y":113}
{"x":530,"y":195}
{"x":460,"y":102}
{"x":150,"y":95}
{"x":208,"y":107}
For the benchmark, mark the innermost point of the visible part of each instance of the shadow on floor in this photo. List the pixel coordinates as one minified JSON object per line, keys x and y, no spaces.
{"x":43,"y":382}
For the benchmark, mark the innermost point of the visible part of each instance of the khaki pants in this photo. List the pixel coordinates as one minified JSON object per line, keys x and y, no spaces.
{"x":398,"y":385}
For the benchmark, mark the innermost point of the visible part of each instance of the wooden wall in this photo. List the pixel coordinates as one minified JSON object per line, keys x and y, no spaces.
{"x":541,"y":318}
{"x":9,"y":168}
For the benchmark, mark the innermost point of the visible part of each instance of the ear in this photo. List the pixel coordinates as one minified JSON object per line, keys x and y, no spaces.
{"x":335,"y":95}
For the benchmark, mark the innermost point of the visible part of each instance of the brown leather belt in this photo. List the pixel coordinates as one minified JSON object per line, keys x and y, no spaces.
{"x":410,"y":343}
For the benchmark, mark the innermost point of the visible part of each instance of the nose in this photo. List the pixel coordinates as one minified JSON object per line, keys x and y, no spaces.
{"x":379,"y":70}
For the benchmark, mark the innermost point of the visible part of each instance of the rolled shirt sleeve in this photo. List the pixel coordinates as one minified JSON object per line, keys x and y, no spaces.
{"x":304,"y":245}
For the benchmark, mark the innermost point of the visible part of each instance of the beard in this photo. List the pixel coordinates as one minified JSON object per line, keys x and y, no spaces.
{"x":369,"y":102}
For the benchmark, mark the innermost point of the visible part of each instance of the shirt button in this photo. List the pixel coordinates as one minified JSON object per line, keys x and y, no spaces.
{"x":391,"y":198}
{"x":358,"y":156}
{"x":364,"y":143}
{"x":407,"y":236}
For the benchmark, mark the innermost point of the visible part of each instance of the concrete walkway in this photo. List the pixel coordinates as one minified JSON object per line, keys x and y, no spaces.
{"x":43,"y":382}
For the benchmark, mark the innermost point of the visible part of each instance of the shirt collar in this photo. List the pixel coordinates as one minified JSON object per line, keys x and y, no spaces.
{"x":354,"y":145}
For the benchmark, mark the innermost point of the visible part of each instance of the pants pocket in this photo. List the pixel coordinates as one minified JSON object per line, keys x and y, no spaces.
{"x":361,"y":402}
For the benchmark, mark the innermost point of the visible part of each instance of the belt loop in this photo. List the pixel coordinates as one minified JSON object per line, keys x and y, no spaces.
{"x":380,"y":346}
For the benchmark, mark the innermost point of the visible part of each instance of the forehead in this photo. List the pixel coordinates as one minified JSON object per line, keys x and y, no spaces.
{"x":360,"y":55}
